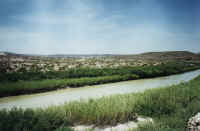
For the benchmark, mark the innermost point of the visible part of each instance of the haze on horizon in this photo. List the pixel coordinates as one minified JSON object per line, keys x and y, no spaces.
{"x":99,"y":26}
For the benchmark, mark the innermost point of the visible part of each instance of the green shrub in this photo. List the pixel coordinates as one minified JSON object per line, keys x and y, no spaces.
{"x":141,"y":71}
{"x":31,"y":120}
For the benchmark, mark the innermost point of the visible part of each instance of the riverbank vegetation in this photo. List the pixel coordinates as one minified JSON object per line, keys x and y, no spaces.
{"x":142,"y":71}
{"x":27,"y":87}
{"x":27,"y":83}
{"x":170,"y":107}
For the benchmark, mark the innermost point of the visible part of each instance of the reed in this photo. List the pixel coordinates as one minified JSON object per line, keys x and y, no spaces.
{"x":170,"y":107}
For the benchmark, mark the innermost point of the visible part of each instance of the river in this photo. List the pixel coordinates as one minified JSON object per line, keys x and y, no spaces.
{"x":70,"y":94}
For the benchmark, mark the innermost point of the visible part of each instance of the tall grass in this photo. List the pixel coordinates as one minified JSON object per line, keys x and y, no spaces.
{"x":26,"y":87}
{"x":170,"y":107}
{"x":30,"y":120}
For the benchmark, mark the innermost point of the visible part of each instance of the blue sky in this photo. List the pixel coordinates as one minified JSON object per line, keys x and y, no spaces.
{"x":99,"y":26}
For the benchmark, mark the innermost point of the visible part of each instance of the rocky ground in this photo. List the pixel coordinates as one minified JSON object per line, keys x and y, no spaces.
{"x":194,"y":123}
{"x":119,"y":127}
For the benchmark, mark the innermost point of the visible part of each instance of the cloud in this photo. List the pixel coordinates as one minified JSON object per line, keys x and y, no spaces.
{"x":86,"y":27}
{"x":82,"y":24}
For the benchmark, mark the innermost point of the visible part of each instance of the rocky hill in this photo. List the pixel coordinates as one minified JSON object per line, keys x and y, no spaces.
{"x":170,"y":55}
{"x":17,"y":62}
{"x":148,"y":55}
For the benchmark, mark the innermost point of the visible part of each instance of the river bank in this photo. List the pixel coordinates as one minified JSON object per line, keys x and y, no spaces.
{"x":59,"y":97}
{"x":169,"y":107}
{"x":114,"y":75}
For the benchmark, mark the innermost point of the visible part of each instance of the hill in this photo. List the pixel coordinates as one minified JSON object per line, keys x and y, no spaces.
{"x":17,"y":62}
{"x":170,"y":55}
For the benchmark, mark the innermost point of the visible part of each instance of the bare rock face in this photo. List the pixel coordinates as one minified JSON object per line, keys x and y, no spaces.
{"x":194,"y":123}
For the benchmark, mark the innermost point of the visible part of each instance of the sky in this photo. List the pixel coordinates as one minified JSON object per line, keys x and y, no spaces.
{"x":99,"y":26}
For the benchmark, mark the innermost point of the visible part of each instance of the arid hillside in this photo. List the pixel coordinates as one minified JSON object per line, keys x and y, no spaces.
{"x":12,"y":62}
{"x":162,"y":56}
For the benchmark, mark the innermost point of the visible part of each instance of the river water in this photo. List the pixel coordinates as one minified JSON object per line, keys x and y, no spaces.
{"x":71,"y":94}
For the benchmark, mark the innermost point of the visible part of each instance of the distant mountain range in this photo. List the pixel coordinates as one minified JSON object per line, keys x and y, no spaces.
{"x":148,"y":55}
{"x":56,"y":55}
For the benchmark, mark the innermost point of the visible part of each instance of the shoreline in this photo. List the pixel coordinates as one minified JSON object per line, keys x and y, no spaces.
{"x":59,"y":97}
{"x":113,"y":110}
{"x":51,"y":85}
